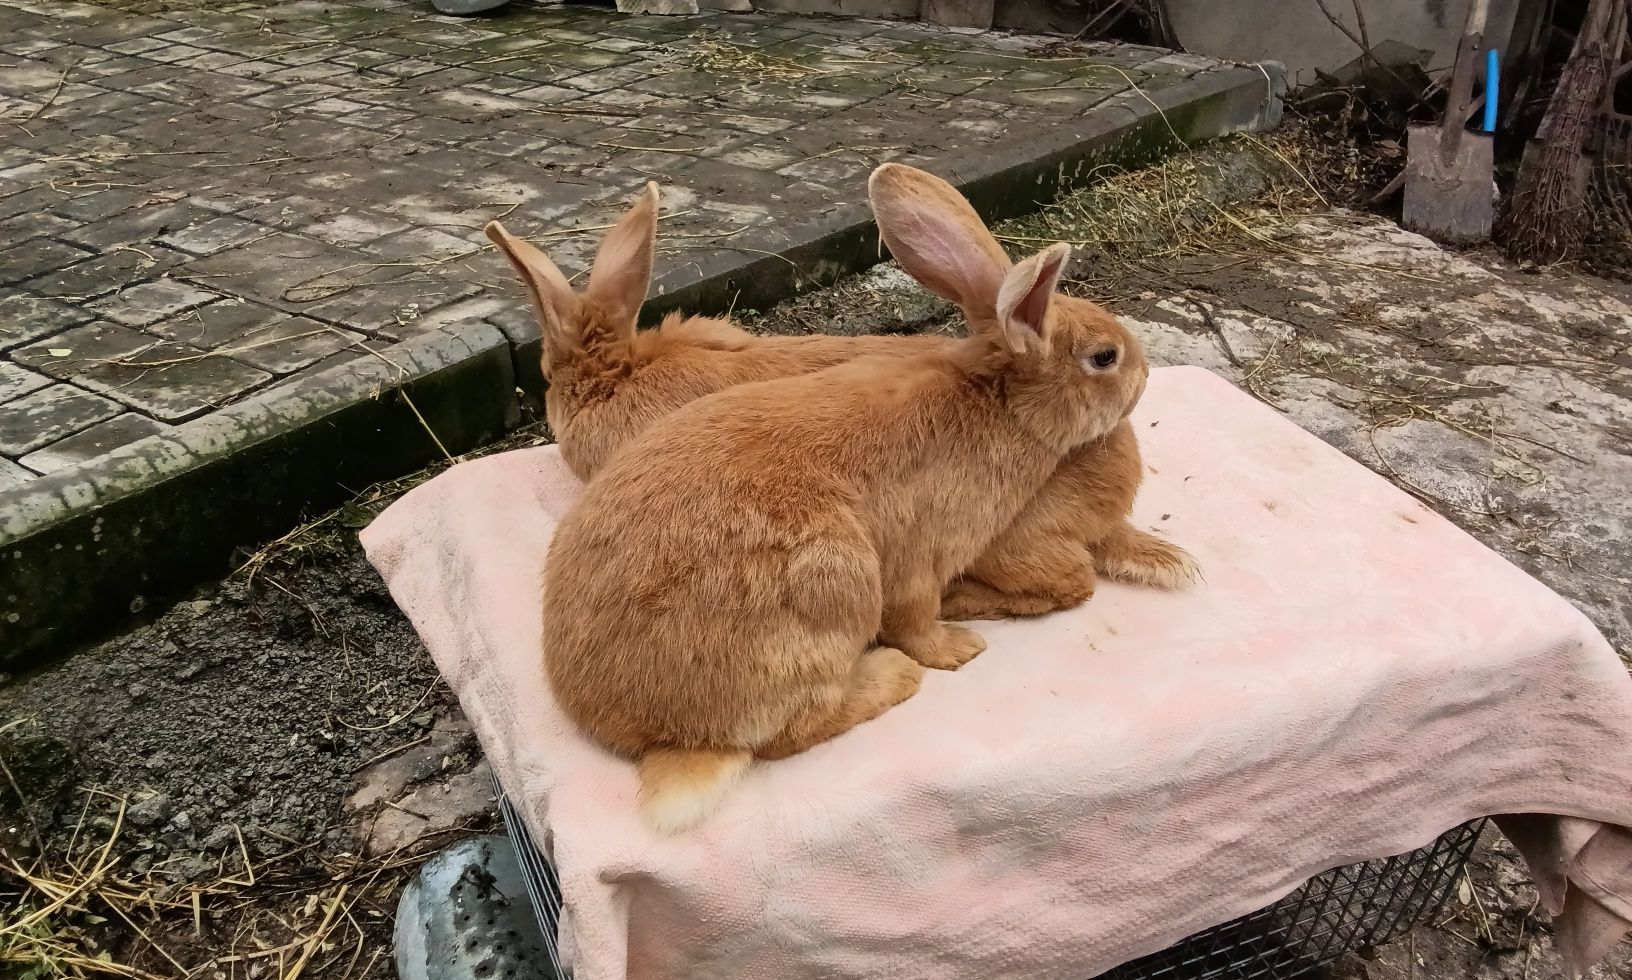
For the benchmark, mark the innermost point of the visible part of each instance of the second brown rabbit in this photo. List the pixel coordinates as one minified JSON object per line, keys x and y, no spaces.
{"x":608,"y":382}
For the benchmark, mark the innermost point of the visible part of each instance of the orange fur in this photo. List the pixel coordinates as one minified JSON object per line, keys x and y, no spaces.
{"x":720,"y":585}
{"x":610,"y":382}
{"x":678,"y":787}
{"x":596,"y":405}
{"x":1048,"y":558}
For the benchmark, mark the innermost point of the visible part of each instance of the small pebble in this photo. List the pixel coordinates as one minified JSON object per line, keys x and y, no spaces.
{"x":221,"y":837}
{"x":150,"y":812}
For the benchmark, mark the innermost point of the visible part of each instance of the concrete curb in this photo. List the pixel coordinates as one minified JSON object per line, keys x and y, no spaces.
{"x":83,"y":549}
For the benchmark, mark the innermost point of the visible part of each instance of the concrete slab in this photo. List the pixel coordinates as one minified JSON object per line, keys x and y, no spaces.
{"x":1500,"y":398}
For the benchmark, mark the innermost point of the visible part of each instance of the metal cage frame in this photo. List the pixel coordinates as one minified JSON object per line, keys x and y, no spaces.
{"x":1340,"y":911}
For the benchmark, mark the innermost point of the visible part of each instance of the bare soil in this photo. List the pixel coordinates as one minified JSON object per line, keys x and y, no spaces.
{"x":229,"y":732}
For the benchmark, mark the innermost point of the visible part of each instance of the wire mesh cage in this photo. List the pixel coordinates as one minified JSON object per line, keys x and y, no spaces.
{"x":1339,"y":911}
{"x":543,"y":887}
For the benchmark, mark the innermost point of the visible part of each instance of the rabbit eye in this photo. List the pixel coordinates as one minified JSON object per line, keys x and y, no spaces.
{"x":1103,"y":360}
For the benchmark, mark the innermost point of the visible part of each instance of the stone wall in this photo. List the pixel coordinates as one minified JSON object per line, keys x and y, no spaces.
{"x":1298,"y":33}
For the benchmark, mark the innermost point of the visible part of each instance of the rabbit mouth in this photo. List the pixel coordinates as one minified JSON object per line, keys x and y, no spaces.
{"x":1138,"y":393}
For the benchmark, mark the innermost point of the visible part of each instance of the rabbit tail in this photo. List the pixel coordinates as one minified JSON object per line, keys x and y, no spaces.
{"x":681,"y":787}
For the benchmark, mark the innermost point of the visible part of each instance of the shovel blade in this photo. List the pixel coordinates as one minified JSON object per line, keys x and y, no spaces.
{"x":1450,"y":198}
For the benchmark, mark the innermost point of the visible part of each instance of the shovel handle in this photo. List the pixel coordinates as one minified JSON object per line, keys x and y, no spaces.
{"x":1459,"y":101}
{"x":1478,"y":14}
{"x":1493,"y":76}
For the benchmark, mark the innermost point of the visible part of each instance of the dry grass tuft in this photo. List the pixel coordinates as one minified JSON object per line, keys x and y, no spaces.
{"x":1217,"y":199}
{"x":66,"y":914}
{"x":706,"y":52}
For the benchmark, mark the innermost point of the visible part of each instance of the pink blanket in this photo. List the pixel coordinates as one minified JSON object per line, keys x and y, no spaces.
{"x":1356,"y":676}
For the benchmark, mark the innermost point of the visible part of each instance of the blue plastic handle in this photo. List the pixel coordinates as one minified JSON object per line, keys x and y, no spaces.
{"x":1493,"y":74}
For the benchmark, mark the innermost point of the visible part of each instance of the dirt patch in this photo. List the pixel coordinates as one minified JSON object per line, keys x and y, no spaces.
{"x":882,"y":300}
{"x":214,"y":748}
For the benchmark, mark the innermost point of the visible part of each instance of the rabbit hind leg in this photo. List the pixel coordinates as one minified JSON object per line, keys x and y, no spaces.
{"x":880,"y":679}
{"x":1022,"y":579}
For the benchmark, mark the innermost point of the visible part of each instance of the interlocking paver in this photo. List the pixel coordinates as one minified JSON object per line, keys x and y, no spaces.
{"x":390,"y":309}
{"x":293,"y":211}
{"x":17,"y":381}
{"x":283,"y":267}
{"x":99,"y":204}
{"x":33,"y":200}
{"x":423,"y":245}
{"x":458,"y":314}
{"x":38,"y":256}
{"x":152,"y":217}
{"x":222,"y":201}
{"x":150,"y":302}
{"x":48,"y":415}
{"x":12,"y":475}
{"x":104,"y":274}
{"x":215,"y":235}
{"x":353,"y":228}
{"x":23,"y":317}
{"x":23,"y":227}
{"x":260,"y":336}
{"x":87,"y":444}
{"x":161,"y":379}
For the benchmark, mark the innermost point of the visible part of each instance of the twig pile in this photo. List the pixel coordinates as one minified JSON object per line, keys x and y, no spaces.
{"x":702,"y":52}
{"x":1545,"y":220}
{"x":295,"y":914}
{"x":1210,"y":200}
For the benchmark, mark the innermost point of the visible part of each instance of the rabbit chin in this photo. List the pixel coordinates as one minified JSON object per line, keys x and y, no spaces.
{"x":1100,"y":419}
{"x":1133,"y":402}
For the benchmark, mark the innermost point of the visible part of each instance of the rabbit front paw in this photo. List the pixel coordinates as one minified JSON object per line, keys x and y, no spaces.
{"x":948,"y":647}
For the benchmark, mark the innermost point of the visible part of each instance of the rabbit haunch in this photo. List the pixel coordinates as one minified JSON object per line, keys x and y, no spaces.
{"x":718,"y":591}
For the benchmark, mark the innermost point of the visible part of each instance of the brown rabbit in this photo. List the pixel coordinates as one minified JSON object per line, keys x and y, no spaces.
{"x":609,"y":382}
{"x":716,"y":592}
{"x":1078,"y":522}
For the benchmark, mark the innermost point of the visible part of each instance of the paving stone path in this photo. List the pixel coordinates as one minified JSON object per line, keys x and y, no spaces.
{"x":199,"y":206}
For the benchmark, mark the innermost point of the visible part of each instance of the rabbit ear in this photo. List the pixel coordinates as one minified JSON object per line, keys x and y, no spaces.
{"x":937,"y":238}
{"x":554,"y":301}
{"x":1025,"y":296}
{"x":623,"y":266}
